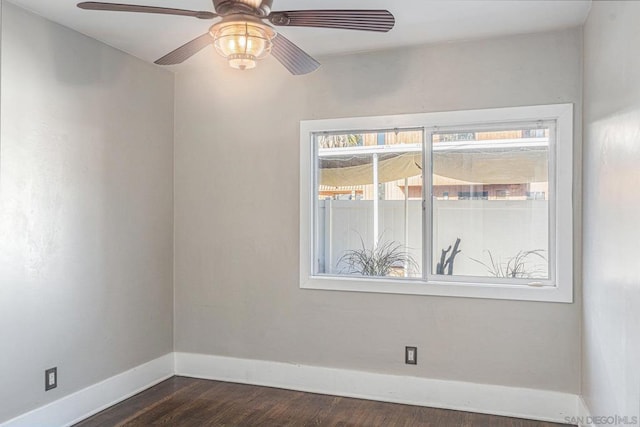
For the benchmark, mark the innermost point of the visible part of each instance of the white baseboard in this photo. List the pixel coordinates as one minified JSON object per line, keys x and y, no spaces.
{"x":482,"y":398}
{"x":86,"y":402}
{"x":583,"y":414}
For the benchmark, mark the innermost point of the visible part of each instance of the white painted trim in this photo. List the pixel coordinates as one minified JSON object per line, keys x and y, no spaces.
{"x":562,"y":289}
{"x":481,"y":398}
{"x":584,"y":414}
{"x":95,"y":398}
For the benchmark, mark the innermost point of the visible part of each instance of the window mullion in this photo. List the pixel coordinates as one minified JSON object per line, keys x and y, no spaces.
{"x":553,"y":199}
{"x":427,"y":246}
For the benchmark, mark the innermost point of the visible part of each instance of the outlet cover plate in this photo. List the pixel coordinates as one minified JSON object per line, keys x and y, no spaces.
{"x":50,"y":379}
{"x":411,"y":355}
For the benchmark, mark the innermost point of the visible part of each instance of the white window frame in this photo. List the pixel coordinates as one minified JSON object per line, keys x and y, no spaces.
{"x":561,"y":225}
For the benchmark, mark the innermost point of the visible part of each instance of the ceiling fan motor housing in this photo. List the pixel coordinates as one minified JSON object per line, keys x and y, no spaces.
{"x":260,"y":8}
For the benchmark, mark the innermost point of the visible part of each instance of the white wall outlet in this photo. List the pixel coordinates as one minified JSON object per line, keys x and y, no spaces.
{"x":411,"y":355}
{"x":50,"y":379}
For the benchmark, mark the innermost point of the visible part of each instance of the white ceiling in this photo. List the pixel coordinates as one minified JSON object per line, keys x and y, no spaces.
{"x":150,"y":36}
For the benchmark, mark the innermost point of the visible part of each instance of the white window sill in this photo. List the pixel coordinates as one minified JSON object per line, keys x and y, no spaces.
{"x":446,"y":289}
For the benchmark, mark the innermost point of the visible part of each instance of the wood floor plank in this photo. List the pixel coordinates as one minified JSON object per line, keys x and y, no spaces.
{"x":187,"y":402}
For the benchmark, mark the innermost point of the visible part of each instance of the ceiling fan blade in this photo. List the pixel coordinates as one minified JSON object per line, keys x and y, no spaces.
{"x":364,"y":20}
{"x":292,"y":57}
{"x":186,"y":51}
{"x":116,"y":7}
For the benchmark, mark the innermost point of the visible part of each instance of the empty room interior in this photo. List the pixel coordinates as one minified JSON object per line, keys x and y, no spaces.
{"x":321,"y":212}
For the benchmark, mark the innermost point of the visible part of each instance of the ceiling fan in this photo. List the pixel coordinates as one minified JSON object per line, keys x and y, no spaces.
{"x":242,"y":38}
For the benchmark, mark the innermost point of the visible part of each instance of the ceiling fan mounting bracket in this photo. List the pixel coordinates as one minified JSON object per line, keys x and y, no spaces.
{"x":279,"y":19}
{"x":234,"y":7}
{"x":203,"y":15}
{"x":241,"y":18}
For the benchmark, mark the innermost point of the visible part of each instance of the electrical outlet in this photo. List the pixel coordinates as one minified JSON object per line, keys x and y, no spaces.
{"x":411,"y":355}
{"x":50,"y":379}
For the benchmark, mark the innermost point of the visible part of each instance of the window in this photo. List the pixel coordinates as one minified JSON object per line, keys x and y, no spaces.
{"x":468,"y":203}
{"x":377,"y":229}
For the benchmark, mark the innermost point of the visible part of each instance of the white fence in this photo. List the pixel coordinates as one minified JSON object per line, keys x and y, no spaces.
{"x":503,"y":227}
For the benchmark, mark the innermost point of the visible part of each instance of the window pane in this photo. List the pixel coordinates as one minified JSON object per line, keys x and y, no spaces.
{"x":491,"y":197}
{"x":368,"y":215}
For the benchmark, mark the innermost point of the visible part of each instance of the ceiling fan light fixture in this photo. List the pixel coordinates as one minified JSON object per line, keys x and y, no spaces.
{"x":242,"y":61}
{"x":242,"y":42}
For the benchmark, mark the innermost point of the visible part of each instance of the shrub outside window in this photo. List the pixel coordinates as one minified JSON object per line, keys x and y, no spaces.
{"x":467,"y":203}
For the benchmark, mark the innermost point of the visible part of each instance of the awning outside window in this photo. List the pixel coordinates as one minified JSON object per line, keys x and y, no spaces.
{"x":513,"y":166}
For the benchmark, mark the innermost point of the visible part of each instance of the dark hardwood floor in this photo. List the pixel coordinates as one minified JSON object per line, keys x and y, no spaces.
{"x":181,"y":401}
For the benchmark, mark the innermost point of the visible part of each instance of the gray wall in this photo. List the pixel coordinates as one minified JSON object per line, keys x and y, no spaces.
{"x":611,"y":335}
{"x":85,"y":211}
{"x":237,"y":227}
